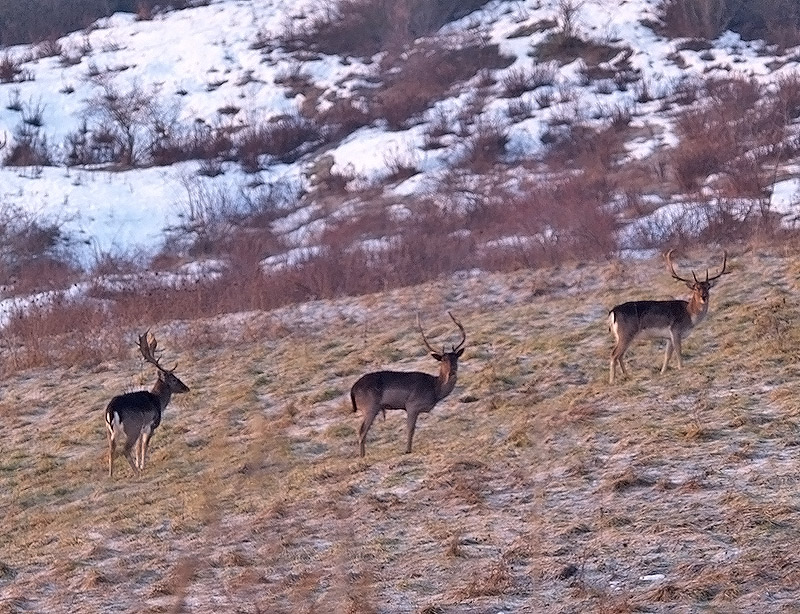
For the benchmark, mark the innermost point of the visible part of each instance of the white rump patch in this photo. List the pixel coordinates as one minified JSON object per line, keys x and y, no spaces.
{"x":114,"y":425}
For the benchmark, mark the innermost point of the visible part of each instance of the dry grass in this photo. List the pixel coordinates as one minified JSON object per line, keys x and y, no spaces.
{"x":534,"y":487}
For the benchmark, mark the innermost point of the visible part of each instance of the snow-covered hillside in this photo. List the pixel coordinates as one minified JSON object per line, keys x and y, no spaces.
{"x":205,"y":67}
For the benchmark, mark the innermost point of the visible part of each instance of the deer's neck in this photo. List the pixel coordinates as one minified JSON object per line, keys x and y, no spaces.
{"x":445,"y":384}
{"x":697,"y":309}
{"x":162,"y":391}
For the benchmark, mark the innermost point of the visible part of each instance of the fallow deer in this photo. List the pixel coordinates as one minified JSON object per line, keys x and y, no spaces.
{"x":661,"y":319}
{"x":138,"y":414}
{"x":413,"y":391}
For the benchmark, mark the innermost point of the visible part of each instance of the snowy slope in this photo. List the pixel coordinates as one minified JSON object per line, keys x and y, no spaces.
{"x":203,"y":59}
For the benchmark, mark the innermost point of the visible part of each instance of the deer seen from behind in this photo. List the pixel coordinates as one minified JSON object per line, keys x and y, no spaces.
{"x":661,"y":319}
{"x":413,"y":391}
{"x":136,"y":415}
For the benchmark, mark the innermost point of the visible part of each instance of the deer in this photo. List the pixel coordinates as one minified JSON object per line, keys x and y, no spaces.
{"x":413,"y":391}
{"x":138,"y":414}
{"x":672,"y":319}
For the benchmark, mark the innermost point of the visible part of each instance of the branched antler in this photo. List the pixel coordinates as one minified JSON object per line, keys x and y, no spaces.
{"x":463,"y":334}
{"x":697,"y":281}
{"x":455,"y":347}
{"x":147,"y":346}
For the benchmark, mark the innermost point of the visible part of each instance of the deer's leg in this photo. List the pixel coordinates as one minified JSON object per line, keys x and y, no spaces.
{"x":612,"y":369}
{"x":144,"y":442}
{"x":369,"y":416}
{"x":411,"y":425}
{"x":667,"y":355}
{"x":616,"y":357}
{"x":112,"y":446}
{"x":676,"y":342}
{"x":127,"y":451}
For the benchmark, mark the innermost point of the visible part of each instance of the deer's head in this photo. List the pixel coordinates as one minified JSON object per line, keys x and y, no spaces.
{"x":448,"y":359}
{"x":700,"y":288}
{"x":167,"y":377}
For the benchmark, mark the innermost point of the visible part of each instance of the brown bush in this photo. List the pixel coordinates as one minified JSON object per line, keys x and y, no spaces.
{"x":10,"y":68}
{"x":365,"y":27}
{"x":788,"y":97}
{"x":341,"y":118}
{"x":739,"y":119}
{"x":29,"y":148}
{"x":517,"y":81}
{"x":776,"y":21}
{"x":425,"y":74}
{"x":580,"y":146}
{"x":284,"y":139}
{"x":486,"y":146}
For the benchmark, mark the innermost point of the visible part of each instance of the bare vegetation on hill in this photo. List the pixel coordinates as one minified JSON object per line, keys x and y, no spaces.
{"x":535,"y":486}
{"x":776,"y":21}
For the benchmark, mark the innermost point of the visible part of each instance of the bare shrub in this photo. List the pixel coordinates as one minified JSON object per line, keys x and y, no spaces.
{"x":284,"y":139}
{"x":534,"y":224}
{"x":581,"y":146}
{"x":65,"y":331}
{"x":35,"y":253}
{"x":14,"y":101}
{"x":10,"y":68}
{"x":126,"y":124}
{"x":70,"y":56}
{"x":341,"y":117}
{"x":788,"y":96}
{"x":696,"y":18}
{"x":738,"y":120}
{"x":49,"y":48}
{"x":486,"y":146}
{"x":215,"y":220}
{"x":517,"y":81}
{"x":729,"y":220}
{"x":694,"y":160}
{"x":519,"y":109}
{"x":565,"y":45}
{"x":777,"y":21}
{"x":365,"y":27}
{"x":33,"y":113}
{"x":425,"y":74}
{"x":208,"y":219}
{"x":29,"y":148}
{"x":401,"y":165}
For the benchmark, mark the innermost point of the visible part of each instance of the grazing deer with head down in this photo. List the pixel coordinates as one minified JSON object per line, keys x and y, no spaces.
{"x":413,"y":391}
{"x":668,"y":319}
{"x":138,"y":414}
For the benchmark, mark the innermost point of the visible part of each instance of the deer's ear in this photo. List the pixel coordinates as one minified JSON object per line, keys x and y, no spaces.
{"x":459,"y":353}
{"x":437,"y":356}
{"x":690,"y":285}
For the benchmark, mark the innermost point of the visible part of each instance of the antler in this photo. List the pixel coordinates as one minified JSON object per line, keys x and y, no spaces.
{"x":697,"y":281}
{"x":463,"y":334}
{"x":672,"y":269}
{"x":455,"y":347}
{"x":724,"y":264}
{"x":424,"y":338}
{"x":147,"y":346}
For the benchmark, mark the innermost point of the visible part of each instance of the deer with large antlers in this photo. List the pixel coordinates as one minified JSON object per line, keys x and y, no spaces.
{"x":413,"y":391}
{"x":661,"y":319}
{"x":138,"y":414}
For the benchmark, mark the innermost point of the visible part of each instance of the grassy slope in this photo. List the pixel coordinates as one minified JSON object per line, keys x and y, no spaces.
{"x":535,"y":487}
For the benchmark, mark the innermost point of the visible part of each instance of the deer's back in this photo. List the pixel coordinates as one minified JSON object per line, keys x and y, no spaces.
{"x":141,"y":402}
{"x":394,"y":389}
